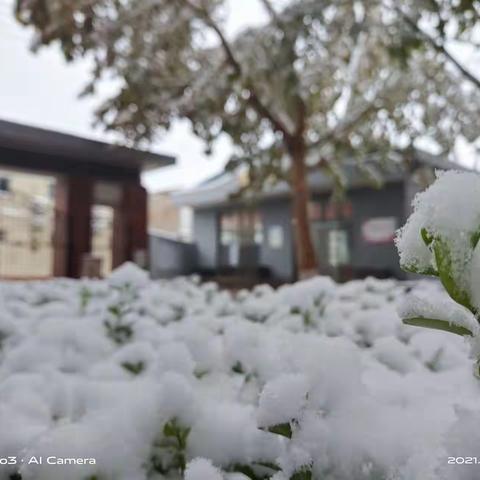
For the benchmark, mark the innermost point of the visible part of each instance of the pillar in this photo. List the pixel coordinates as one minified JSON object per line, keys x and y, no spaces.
{"x":130,"y":242}
{"x":72,"y":231}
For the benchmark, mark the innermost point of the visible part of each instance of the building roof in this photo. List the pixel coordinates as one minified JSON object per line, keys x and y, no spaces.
{"x":220,"y":189}
{"x":37,"y":148}
{"x":212,"y":191}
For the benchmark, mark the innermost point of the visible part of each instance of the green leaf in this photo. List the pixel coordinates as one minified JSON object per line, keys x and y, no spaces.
{"x":283,"y":429}
{"x":475,"y":238}
{"x":85,"y":297}
{"x":173,"y":429}
{"x":170,"y":429}
{"x":238,"y":368}
{"x":444,"y":262}
{"x":426,"y":237}
{"x":134,"y":368}
{"x":115,"y":310}
{"x":412,"y":268}
{"x":436,"y":324}
{"x":430,"y":271}
{"x":303,"y":474}
{"x":433,"y":363}
{"x":269,"y":465}
{"x":307,"y":318}
{"x":246,"y":470}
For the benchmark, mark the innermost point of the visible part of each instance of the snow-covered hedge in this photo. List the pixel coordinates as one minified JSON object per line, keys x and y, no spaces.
{"x":176,"y":379}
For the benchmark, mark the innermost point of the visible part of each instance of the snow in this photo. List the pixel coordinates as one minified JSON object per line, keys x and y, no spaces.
{"x":424,"y":306}
{"x":282,"y":400}
{"x":449,"y":211}
{"x":128,"y":275}
{"x":202,"y":469}
{"x":149,"y":376}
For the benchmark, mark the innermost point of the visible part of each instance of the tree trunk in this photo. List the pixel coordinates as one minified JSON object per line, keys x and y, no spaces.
{"x":306,"y":259}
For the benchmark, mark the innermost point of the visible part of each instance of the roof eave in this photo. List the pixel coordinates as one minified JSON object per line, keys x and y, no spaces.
{"x":30,"y":139}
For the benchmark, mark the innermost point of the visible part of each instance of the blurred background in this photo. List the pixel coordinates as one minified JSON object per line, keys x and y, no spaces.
{"x":219,"y":94}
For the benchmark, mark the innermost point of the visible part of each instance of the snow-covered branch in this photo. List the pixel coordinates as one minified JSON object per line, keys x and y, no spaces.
{"x":344,"y":126}
{"x":254,"y":98}
{"x":438,"y":45}
{"x":273,"y":14}
{"x":343,"y":104}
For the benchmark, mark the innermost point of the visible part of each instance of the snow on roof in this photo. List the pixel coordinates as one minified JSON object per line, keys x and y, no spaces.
{"x":219,"y":188}
{"x":210,"y":192}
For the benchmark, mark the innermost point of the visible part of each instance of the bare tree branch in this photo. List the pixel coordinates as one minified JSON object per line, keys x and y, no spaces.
{"x":438,"y":46}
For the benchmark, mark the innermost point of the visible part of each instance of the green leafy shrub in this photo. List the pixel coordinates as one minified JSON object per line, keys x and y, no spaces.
{"x":440,"y":240}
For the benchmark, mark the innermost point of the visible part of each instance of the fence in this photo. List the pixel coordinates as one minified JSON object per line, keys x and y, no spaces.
{"x":170,"y":257}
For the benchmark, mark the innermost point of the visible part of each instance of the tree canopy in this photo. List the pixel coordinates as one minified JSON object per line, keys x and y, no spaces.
{"x":354,"y":72}
{"x":320,"y":80}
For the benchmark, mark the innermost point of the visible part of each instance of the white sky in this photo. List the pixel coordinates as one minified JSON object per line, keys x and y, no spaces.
{"x":42,"y":89}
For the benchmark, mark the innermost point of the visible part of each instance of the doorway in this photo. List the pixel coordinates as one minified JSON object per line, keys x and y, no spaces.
{"x":332,"y":242}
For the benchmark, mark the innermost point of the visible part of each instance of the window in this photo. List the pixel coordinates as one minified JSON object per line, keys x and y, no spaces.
{"x":241,"y":227}
{"x":338,"y":210}
{"x":102,"y":237}
{"x":315,"y":211}
{"x":4,"y":184}
{"x":275,"y":237}
{"x":329,"y":210}
{"x":338,"y":251}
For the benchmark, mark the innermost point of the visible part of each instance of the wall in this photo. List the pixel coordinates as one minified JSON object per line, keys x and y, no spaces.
{"x":239,"y":256}
{"x":280,"y":261}
{"x":162,"y":213}
{"x":369,"y":203}
{"x":206,"y":237}
{"x":170,"y":257}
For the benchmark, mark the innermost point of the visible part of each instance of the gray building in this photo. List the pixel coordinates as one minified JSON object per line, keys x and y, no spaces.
{"x":353,"y":236}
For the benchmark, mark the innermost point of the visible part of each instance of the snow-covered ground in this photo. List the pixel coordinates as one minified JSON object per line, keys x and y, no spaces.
{"x":145,"y":377}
